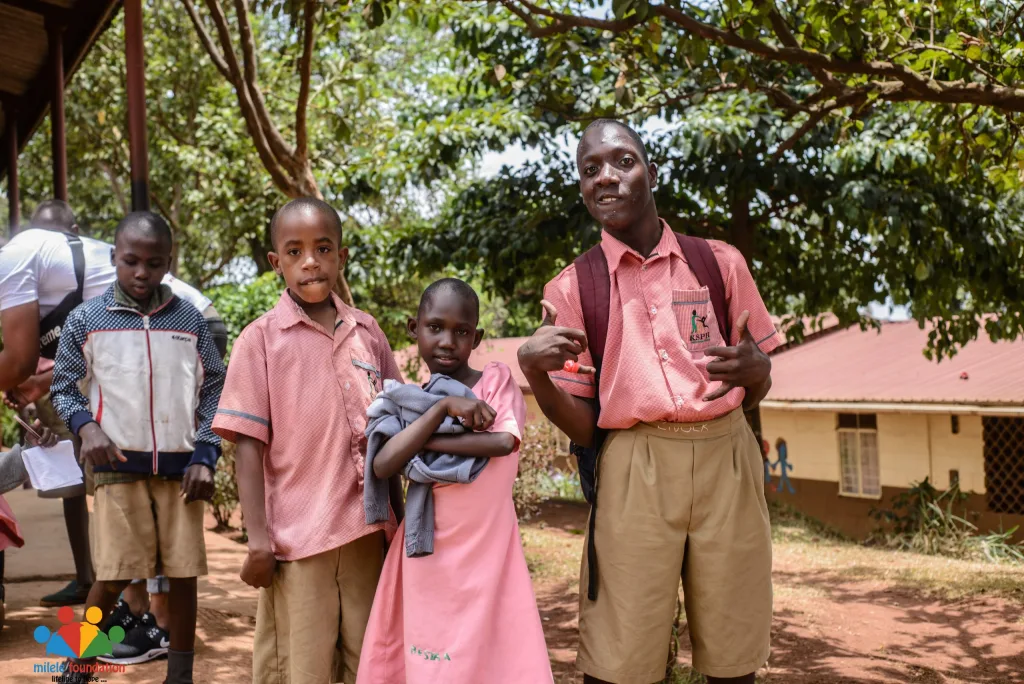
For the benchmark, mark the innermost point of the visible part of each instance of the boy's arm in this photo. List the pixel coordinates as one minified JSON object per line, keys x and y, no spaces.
{"x":258,"y":569}
{"x":198,"y":484}
{"x":69,"y":369}
{"x":207,"y":443}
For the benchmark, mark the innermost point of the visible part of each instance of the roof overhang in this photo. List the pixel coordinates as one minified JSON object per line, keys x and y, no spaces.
{"x":894,"y":407}
{"x":24,"y":59}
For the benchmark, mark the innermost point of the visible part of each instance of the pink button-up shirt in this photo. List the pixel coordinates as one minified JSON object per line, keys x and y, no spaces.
{"x":661,"y":320}
{"x":303,"y":392}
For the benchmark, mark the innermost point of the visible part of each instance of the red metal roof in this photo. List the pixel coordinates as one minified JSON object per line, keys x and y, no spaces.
{"x":501,"y":349}
{"x":889,"y":366}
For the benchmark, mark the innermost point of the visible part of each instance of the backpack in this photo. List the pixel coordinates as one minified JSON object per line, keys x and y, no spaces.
{"x":594,"y":285}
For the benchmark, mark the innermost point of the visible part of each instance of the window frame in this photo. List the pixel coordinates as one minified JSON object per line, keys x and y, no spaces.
{"x":857,"y":432}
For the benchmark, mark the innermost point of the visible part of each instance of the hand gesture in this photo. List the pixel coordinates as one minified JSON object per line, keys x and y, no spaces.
{"x":474,"y":414}
{"x":197,"y":485}
{"x":744,"y":365}
{"x":258,"y":568}
{"x":551,"y":346}
{"x":47,"y":438}
{"x":97,"y":447}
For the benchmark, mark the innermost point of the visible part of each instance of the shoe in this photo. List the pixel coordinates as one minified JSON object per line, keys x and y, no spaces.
{"x":121,"y":615}
{"x":144,"y":643}
{"x":71,"y":595}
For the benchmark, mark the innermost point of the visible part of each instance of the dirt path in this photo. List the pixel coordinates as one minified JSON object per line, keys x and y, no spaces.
{"x":835,"y":622}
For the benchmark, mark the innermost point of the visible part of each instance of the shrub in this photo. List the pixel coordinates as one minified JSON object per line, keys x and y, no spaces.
{"x":225,"y":488}
{"x":537,"y":455}
{"x":925,"y":520}
{"x":240,"y":305}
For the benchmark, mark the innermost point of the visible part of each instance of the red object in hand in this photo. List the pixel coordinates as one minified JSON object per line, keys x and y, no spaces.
{"x":572,"y":366}
{"x":963,"y":375}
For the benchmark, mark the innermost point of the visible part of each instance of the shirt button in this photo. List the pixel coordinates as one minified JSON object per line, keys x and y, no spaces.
{"x":679,"y":401}
{"x":644,"y":267}
{"x":347,"y":384}
{"x":654,"y":310}
{"x":664,"y":355}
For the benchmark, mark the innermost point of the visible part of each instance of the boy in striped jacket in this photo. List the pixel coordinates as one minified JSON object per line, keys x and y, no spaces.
{"x":138,"y":379}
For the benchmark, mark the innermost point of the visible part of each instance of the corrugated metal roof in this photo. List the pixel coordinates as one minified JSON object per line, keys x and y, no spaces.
{"x":889,"y":366}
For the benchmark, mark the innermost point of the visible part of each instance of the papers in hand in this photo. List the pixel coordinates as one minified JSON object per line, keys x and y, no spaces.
{"x":52,"y":468}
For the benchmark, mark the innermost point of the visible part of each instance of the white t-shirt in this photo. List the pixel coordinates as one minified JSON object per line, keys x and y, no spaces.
{"x":36,"y":265}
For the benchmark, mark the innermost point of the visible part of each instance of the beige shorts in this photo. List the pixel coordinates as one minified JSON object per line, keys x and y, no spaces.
{"x":679,"y":499}
{"x":310,"y":622}
{"x":145,"y":529}
{"x":48,"y":416}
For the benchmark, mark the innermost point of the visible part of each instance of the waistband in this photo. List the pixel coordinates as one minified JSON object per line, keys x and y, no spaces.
{"x":709,"y":429}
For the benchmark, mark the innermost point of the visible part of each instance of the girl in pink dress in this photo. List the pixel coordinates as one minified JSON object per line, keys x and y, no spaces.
{"x":466,"y":613}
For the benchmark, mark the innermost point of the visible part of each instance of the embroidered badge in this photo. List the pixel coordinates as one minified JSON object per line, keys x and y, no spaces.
{"x":696,"y":318}
{"x":429,"y":655}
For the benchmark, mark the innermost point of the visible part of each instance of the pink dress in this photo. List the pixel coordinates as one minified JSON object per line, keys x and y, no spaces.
{"x":10,"y":535}
{"x":467,"y":613}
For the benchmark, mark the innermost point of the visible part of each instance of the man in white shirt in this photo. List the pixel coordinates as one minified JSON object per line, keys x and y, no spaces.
{"x":45,"y":271}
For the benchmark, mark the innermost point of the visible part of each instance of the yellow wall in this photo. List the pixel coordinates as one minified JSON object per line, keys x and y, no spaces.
{"x":911,"y":446}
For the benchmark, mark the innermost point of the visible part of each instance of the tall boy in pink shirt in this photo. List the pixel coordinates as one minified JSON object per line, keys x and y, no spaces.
{"x":679,"y":477}
{"x":299,"y":382}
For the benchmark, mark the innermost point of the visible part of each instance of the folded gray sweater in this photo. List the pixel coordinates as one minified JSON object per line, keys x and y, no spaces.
{"x":392,"y":411}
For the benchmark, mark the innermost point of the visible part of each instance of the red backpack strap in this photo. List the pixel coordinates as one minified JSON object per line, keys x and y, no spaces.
{"x":704,"y":265}
{"x":595,"y":288}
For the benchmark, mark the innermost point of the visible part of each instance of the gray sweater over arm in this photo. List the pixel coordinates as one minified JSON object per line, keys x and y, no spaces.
{"x":392,"y":411}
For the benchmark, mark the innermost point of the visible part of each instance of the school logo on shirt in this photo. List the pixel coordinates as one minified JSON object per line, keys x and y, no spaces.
{"x":429,"y":655}
{"x":699,"y":330}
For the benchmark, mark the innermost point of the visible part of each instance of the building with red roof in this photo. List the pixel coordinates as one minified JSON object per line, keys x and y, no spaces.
{"x":863,"y":414}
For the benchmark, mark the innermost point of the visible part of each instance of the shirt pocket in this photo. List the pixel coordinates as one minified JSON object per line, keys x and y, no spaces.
{"x":369,"y":376}
{"x":695,"y":316}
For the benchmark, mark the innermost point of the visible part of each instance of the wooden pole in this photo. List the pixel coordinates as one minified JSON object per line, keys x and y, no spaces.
{"x":13,"y":197}
{"x":135,"y":54}
{"x":58,"y":141}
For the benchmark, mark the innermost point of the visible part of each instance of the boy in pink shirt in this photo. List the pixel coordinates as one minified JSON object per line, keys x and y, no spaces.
{"x":299,"y":382}
{"x":679,"y":476}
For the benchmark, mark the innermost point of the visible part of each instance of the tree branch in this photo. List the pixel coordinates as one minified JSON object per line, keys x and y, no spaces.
{"x":787,"y":38}
{"x":284,"y":153}
{"x":915,"y":86}
{"x":305,"y":73}
{"x":245,"y":103}
{"x":850,"y":99}
{"x":204,"y":38}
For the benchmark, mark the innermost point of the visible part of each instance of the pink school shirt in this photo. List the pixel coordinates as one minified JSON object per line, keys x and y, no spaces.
{"x":660,"y":322}
{"x":304,"y":392}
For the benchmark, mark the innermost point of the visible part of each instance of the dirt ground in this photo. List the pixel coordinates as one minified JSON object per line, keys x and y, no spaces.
{"x":844,"y":614}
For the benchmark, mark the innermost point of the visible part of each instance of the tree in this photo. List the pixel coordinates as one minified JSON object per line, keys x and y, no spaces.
{"x":871,"y":199}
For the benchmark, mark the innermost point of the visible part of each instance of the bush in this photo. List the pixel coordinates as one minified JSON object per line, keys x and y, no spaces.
{"x":225,"y":492}
{"x":537,"y":455}
{"x":925,"y":520}
{"x":240,"y":305}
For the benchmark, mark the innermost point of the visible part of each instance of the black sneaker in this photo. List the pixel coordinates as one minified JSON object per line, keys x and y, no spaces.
{"x":144,"y":643}
{"x":122,"y":616}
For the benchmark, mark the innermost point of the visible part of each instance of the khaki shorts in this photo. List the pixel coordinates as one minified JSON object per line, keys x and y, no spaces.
{"x":310,"y":622}
{"x":48,"y":416}
{"x":144,"y":528}
{"x":679,"y":499}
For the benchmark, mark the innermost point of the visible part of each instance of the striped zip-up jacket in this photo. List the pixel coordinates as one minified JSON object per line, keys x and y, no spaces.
{"x":152,"y":382}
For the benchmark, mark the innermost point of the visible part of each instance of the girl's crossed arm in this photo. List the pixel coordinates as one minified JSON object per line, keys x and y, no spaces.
{"x":475,"y":415}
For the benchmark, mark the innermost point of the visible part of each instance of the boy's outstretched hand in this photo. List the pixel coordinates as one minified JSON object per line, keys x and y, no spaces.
{"x":744,"y":365}
{"x":258,"y":568}
{"x":474,"y":414}
{"x":47,"y":438}
{"x":197,"y":485}
{"x":551,"y":346}
{"x":97,"y":447}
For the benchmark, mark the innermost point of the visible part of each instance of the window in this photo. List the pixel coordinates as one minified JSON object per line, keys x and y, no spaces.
{"x":858,"y":455}
{"x":954,"y":424}
{"x":1004,"y":463}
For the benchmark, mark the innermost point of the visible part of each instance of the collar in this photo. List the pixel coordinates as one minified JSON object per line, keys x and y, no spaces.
{"x":614,"y":249}
{"x":289,"y":313}
{"x":161,"y":296}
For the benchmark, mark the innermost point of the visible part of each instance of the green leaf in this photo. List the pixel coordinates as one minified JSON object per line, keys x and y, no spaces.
{"x":974,"y":52}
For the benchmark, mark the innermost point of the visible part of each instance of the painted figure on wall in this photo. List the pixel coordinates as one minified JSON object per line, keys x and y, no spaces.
{"x":784,"y":467}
